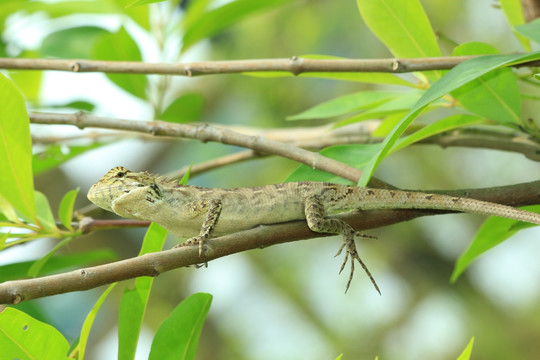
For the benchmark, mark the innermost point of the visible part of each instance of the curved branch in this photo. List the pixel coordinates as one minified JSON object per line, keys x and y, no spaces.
{"x":204,"y":133}
{"x":153,"y":264}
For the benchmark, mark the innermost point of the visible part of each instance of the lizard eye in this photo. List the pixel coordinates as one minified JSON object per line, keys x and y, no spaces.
{"x":120,"y":174}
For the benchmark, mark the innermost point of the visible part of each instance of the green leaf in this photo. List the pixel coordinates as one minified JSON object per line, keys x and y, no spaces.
{"x":54,"y":155}
{"x":458,"y":76}
{"x":28,"y":81}
{"x":446,"y":124}
{"x":212,"y":22}
{"x":399,"y":104}
{"x":120,"y":46}
{"x":492,"y":232}
{"x":143,"y":2}
{"x":139,"y":14}
{"x":72,"y":43}
{"x":8,"y":211}
{"x":195,"y":10}
{"x":345,"y":104}
{"x":513,"y":10}
{"x":23,"y":337}
{"x":39,"y":264}
{"x":185,"y":178}
{"x":530,"y":30}
{"x":44,"y":213}
{"x":466,"y":354}
{"x":402,"y":26}
{"x":353,"y":155}
{"x":89,"y":321}
{"x":495,"y":95}
{"x":16,"y":183}
{"x":178,"y":335}
{"x":65,"y":210}
{"x":56,"y":264}
{"x":134,"y":301}
{"x":184,"y":109}
{"x":3,"y":238}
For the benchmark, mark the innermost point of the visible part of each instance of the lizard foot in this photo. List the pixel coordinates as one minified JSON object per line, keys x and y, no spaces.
{"x":352,"y":254}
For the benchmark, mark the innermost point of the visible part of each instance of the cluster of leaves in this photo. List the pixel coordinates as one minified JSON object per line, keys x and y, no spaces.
{"x":482,"y":91}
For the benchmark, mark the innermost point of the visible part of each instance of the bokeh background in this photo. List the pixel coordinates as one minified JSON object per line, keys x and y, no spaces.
{"x":287,"y":301}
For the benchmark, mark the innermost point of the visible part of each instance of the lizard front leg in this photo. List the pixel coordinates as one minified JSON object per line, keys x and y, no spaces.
{"x":319,"y":222}
{"x":211,"y":209}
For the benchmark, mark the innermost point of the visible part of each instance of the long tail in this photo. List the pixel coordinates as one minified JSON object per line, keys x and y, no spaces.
{"x":370,"y":199}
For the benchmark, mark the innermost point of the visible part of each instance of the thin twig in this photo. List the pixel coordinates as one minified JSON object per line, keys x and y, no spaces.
{"x":153,"y":264}
{"x":294,"y":65}
{"x":214,"y":163}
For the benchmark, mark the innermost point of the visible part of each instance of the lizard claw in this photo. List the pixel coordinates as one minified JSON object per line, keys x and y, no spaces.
{"x":353,"y":255}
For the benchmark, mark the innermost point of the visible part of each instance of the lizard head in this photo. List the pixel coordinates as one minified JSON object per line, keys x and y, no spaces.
{"x":118,"y":182}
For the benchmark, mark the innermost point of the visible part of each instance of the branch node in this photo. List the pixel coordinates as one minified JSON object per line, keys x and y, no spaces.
{"x":16,"y":298}
{"x":296,"y":65}
{"x":75,"y":66}
{"x":396,"y":65}
{"x":79,"y":120}
{"x":85,"y":224}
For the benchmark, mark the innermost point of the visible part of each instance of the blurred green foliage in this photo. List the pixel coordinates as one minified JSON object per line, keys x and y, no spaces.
{"x":285,"y":302}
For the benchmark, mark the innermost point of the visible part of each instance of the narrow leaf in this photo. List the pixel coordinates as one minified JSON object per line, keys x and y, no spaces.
{"x":38,"y":264}
{"x":65,"y":210}
{"x":178,"y":335}
{"x":143,"y":2}
{"x":440,"y":126}
{"x":184,"y":180}
{"x":23,"y":337}
{"x":345,"y":104}
{"x":8,"y":211}
{"x":458,"y":76}
{"x":494,"y":231}
{"x":399,"y":104}
{"x":134,"y":301}
{"x":89,"y":321}
{"x":44,"y":213}
{"x":16,"y":183}
{"x":466,"y":354}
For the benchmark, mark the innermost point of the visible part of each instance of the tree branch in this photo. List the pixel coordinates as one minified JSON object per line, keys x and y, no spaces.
{"x":294,"y":65}
{"x":153,"y":264}
{"x":204,"y":133}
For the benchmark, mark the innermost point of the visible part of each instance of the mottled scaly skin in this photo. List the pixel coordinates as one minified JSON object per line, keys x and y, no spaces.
{"x":199,"y":213}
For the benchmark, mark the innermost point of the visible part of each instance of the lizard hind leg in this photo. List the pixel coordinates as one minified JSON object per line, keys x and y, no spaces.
{"x":319,"y":222}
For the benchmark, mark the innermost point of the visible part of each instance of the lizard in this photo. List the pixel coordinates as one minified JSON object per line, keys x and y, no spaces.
{"x":198,"y":213}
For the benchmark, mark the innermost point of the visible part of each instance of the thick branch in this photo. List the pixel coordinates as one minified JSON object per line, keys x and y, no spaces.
{"x":154,"y":264}
{"x":294,"y":65}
